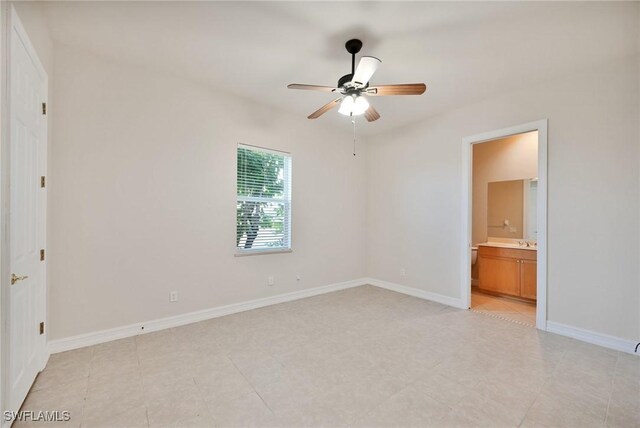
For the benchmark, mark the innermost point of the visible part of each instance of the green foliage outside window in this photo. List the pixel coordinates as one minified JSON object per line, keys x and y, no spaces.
{"x":260,"y":175}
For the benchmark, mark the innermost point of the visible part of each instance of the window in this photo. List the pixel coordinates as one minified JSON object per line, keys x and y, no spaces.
{"x":263,"y":209}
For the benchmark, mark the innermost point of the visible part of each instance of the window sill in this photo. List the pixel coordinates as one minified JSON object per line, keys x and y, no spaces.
{"x":261,"y":252}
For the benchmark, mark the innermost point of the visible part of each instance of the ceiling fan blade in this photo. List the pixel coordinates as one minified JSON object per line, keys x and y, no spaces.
{"x":311,"y":87}
{"x":366,"y":67}
{"x":325,"y":108}
{"x":401,"y":89}
{"x":371,"y":114}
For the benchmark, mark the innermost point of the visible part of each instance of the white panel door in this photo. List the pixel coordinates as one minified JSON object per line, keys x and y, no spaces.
{"x":27,"y":145}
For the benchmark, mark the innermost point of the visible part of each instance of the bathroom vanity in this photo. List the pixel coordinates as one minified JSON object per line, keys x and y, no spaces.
{"x":508,"y":270}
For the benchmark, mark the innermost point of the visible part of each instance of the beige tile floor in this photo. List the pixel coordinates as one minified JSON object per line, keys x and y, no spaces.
{"x":504,"y":307}
{"x":363,"y":357}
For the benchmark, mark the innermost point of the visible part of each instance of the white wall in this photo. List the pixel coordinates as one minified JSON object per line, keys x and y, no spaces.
{"x":511,"y":158}
{"x":143,"y":184}
{"x":414,"y":196}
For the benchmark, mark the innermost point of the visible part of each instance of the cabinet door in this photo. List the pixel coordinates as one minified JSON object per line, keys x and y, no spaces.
{"x":528,"y":279}
{"x":500,"y":275}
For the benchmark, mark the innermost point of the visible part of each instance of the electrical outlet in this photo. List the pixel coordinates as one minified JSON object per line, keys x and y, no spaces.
{"x":298,"y":278}
{"x":173,"y":296}
{"x":270,"y":281}
{"x":403,"y":272}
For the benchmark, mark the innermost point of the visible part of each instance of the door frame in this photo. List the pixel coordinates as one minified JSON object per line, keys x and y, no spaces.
{"x":467,"y":195}
{"x":9,"y":20}
{"x":4,"y":178}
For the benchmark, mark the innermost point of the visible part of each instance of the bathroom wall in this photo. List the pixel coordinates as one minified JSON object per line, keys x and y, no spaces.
{"x":511,"y":158}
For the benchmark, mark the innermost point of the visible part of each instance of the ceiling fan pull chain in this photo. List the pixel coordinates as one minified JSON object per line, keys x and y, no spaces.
{"x":353,"y":120}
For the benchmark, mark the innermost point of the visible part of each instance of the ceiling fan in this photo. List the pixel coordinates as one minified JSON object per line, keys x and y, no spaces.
{"x":353,"y":87}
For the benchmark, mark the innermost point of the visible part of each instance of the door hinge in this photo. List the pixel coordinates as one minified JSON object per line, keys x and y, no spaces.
{"x":44,"y":108}
{"x":43,"y":181}
{"x":42,"y":328}
{"x":41,"y":255}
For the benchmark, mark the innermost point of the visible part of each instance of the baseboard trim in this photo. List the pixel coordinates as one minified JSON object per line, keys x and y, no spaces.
{"x":600,"y":339}
{"x":415,"y":292}
{"x":95,"y":338}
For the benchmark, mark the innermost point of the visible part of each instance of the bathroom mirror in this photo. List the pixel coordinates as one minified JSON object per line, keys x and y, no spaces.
{"x":511,"y":209}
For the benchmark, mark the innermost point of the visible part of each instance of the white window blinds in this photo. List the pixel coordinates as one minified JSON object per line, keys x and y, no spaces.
{"x":263,"y":220}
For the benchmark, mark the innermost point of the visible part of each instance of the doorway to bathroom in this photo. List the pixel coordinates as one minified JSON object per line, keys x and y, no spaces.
{"x":504,"y":223}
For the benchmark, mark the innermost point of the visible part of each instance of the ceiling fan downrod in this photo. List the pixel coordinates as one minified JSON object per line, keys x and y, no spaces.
{"x":352,"y":46}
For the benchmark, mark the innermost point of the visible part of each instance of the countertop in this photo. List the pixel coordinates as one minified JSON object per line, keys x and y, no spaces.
{"x":507,"y":245}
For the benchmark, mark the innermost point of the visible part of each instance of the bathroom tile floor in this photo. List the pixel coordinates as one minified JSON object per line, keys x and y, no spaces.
{"x":504,"y":307}
{"x":362,"y":357}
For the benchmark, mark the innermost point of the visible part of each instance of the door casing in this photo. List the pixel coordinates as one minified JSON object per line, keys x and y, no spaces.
{"x":467,"y":195}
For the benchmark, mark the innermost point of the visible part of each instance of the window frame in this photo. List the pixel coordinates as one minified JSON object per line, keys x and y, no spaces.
{"x":286,"y":200}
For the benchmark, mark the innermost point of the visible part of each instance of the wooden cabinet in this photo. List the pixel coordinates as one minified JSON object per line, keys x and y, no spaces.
{"x":528,"y":279}
{"x":508,"y":271}
{"x":499,"y":274}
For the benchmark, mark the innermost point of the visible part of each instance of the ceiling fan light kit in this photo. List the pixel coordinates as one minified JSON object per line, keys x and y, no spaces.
{"x":354,"y":87}
{"x":353,"y":105}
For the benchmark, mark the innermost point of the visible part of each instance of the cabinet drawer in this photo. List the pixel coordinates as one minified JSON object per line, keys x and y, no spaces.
{"x":511,"y":253}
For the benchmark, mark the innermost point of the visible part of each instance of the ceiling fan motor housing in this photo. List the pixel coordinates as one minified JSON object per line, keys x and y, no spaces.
{"x":344,"y":80}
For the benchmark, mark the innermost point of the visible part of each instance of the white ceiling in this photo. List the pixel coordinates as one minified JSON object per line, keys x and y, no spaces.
{"x":465,"y":52}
